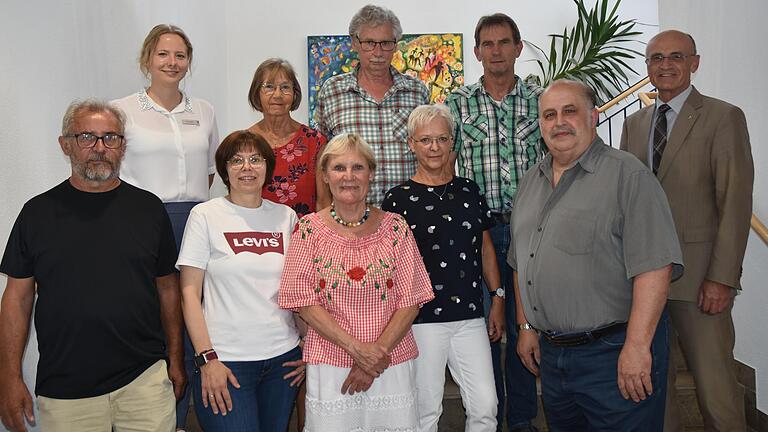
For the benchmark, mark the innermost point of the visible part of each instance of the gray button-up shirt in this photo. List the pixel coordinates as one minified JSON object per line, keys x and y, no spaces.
{"x":577,"y":247}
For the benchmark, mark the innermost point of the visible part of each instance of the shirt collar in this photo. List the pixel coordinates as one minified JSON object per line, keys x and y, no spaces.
{"x":587,"y":161}
{"x":521,"y":88}
{"x":677,"y":102}
{"x":398,"y":80}
{"x":146,"y":103}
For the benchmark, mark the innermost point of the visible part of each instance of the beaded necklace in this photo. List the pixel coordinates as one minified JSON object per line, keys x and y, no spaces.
{"x":341,"y":221}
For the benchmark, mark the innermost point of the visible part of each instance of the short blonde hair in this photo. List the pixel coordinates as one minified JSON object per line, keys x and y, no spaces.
{"x":150,"y":42}
{"x":424,"y":114}
{"x":344,"y":143}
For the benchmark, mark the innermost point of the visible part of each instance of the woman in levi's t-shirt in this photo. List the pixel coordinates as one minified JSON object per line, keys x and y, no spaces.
{"x":231,"y":259}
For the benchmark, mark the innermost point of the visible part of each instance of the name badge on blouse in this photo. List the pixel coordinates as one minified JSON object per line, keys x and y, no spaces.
{"x":190,"y":122}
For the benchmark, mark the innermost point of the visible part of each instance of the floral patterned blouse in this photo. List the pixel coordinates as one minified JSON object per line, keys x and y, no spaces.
{"x":293,"y":182}
{"x":360,"y":282}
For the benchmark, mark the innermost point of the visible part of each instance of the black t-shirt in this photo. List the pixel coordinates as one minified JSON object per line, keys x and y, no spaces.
{"x":448,"y":223}
{"x":94,"y":257}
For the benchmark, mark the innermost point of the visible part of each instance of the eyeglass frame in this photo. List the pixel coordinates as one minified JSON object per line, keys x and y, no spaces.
{"x":374,"y":43}
{"x":265,"y":87}
{"x":77,"y":140}
{"x":428,"y":140}
{"x":253,"y":160}
{"x":675,"y":57}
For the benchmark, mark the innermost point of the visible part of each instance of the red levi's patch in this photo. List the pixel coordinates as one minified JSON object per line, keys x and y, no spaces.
{"x":255,"y":242}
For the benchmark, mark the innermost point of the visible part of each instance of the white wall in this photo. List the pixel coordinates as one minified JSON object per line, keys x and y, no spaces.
{"x":60,"y":50}
{"x":730,"y":37}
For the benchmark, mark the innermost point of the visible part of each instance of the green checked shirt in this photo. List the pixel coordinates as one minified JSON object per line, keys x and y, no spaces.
{"x":496,"y":143}
{"x":343,"y":106}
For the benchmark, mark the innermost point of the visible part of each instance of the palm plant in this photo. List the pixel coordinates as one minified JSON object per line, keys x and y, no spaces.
{"x":592,"y":52}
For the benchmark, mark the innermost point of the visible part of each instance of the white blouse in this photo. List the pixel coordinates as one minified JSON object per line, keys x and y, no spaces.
{"x":167,"y":153}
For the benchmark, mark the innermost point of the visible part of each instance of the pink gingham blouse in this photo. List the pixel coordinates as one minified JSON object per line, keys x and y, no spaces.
{"x":360,"y":282}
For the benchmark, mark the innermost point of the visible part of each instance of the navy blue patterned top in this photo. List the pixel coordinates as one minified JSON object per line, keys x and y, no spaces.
{"x":448,"y":223}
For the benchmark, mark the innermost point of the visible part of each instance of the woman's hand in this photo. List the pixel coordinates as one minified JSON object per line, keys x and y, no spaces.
{"x":215,"y":393}
{"x":496,"y":319}
{"x":372,"y":358}
{"x":357,"y":381}
{"x":297,"y":374}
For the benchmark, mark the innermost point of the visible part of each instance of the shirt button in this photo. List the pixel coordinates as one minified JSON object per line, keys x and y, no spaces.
{"x":535,"y":309}
{"x":503,"y":140}
{"x":529,"y":282}
{"x":539,"y":229}
{"x":531,"y":255}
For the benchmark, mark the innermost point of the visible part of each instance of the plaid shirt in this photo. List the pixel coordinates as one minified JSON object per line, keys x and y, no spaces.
{"x":361,"y":282}
{"x":496,"y":143}
{"x":343,"y":106}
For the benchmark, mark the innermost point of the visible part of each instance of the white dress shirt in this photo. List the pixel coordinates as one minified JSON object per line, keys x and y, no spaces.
{"x":169,"y":153}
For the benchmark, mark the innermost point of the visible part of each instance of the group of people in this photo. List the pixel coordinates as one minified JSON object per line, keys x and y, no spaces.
{"x":351,"y":265}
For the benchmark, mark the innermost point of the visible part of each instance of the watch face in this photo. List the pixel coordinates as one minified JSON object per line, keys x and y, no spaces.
{"x":500,"y":292}
{"x":199,"y":361}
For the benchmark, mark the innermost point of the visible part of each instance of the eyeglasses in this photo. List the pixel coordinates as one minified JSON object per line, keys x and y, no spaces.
{"x":269,"y":88}
{"x":237,"y":162}
{"x":370,"y":45}
{"x":87,"y":140}
{"x":427,"y":141}
{"x":658,"y":59}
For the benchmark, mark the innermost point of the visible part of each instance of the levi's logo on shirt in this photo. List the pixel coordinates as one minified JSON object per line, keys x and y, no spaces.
{"x":256,"y":242}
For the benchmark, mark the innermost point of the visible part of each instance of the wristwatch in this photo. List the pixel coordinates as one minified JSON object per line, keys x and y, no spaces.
{"x":204,"y":357}
{"x":525,"y":326}
{"x":498,"y":292}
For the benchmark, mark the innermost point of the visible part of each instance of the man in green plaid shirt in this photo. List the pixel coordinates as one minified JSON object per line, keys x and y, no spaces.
{"x":374,"y":100}
{"x":497,"y":141}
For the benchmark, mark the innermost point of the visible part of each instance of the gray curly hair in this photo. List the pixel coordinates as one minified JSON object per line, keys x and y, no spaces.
{"x":373,"y":16}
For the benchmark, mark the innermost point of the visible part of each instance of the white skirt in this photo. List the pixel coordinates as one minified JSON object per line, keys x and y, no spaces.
{"x":388,"y":406}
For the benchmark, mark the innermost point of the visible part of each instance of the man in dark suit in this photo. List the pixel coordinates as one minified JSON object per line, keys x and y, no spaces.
{"x":699,"y":149}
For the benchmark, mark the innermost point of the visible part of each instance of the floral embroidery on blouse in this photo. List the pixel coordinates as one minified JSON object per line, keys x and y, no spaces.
{"x":334,"y":273}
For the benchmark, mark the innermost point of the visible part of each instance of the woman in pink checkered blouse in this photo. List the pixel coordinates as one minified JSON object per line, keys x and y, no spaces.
{"x":354,"y":273}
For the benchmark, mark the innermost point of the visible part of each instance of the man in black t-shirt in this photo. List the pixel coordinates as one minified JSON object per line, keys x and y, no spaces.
{"x":100,"y":255}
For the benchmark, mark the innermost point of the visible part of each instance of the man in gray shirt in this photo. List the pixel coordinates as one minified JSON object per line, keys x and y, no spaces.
{"x":594,"y":248}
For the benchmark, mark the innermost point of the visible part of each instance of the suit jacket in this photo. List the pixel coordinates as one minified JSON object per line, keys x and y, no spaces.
{"x":707,"y":174}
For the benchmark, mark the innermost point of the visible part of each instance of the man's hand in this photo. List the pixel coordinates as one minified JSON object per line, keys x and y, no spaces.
{"x":357,"y":381}
{"x":371,"y":358}
{"x":715,"y":297}
{"x":496,"y":319}
{"x":178,"y":377}
{"x":634,"y":372}
{"x":528,"y":350}
{"x":15,"y":405}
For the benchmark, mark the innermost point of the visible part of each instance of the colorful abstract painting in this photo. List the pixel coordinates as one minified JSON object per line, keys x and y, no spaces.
{"x":436,"y":59}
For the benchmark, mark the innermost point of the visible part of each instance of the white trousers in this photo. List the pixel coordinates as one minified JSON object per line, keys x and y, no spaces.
{"x":464,"y":347}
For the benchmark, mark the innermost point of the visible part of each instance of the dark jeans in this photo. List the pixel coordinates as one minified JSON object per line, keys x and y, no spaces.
{"x":263,"y":403}
{"x":520,"y":383}
{"x":178,"y":213}
{"x":581,"y":392}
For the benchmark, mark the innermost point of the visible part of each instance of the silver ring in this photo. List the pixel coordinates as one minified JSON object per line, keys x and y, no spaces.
{"x":211,"y":395}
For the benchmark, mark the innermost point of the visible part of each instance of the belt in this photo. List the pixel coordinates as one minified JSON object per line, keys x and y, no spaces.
{"x":501,"y":218}
{"x":576,"y":339}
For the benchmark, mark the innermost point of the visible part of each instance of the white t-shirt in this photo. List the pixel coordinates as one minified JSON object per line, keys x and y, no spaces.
{"x":167,"y":153}
{"x":242,"y":252}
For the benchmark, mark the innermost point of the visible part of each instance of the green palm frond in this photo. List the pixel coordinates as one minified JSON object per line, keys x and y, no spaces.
{"x":592,"y":51}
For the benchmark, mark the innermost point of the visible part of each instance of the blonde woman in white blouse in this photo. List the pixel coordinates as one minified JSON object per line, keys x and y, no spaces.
{"x":171,"y":140}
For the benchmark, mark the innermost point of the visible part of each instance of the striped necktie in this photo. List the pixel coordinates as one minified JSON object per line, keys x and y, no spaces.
{"x":659,"y":136}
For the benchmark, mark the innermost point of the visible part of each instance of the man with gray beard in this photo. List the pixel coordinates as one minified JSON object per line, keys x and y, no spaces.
{"x":99,"y":253}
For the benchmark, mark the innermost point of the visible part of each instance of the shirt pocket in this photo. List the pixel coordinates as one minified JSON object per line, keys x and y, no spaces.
{"x":576,"y":231}
{"x":474,"y":128}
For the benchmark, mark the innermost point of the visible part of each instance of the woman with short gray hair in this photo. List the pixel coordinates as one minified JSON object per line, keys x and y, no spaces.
{"x":450,"y":221}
